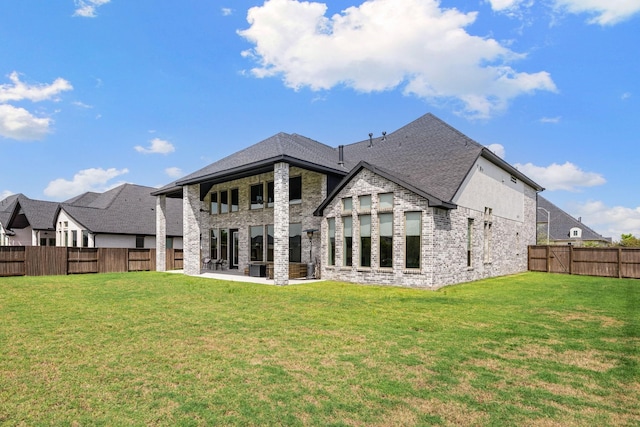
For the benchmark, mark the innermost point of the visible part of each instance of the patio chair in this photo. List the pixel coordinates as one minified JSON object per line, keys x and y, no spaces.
{"x":219,"y":263}
{"x":206,"y":263}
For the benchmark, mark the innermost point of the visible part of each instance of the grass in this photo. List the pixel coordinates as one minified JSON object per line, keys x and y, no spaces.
{"x":164,"y":349}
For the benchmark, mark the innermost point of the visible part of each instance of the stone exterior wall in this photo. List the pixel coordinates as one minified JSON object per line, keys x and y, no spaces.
{"x":313,"y":192}
{"x":499,"y":245}
{"x":161,"y":233}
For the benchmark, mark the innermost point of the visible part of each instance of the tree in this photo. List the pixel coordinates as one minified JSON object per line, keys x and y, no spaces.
{"x":629,"y":241}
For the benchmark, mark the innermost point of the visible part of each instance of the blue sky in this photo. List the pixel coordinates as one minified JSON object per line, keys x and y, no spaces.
{"x":94,"y":93}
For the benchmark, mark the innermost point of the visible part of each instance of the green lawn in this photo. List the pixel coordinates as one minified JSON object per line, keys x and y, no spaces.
{"x":165,"y":349}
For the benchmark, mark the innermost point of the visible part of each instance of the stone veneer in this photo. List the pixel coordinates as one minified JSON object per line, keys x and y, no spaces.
{"x":314,"y":187}
{"x":444,"y":239}
{"x":161,"y":233}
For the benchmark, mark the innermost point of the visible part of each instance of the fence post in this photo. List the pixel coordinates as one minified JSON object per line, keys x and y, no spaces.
{"x":570,"y":259}
{"x":548,"y":258}
{"x":620,"y":263}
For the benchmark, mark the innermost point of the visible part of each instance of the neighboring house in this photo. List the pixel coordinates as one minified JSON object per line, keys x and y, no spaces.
{"x":562,"y":229}
{"x":123,"y":217}
{"x":424,"y":206}
{"x":27,"y":222}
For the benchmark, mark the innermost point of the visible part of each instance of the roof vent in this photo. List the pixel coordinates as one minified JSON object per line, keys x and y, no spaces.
{"x":370,"y":139}
{"x":384,"y":135}
{"x":341,"y":155}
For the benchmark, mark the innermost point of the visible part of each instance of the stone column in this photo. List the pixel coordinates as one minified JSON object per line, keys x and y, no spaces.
{"x":281,"y":224}
{"x":161,"y":233}
{"x":191,"y":229}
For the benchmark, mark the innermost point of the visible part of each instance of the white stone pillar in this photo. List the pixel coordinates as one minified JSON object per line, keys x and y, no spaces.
{"x":161,"y":233}
{"x":281,"y":224}
{"x":191,"y":229}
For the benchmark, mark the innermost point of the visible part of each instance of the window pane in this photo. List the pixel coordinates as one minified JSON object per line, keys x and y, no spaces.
{"x":257,"y":198}
{"x":214,"y":244}
{"x":347,"y":247}
{"x":347,"y":204}
{"x":365,"y":202}
{"x":214,"y":203}
{"x":224,"y":244}
{"x":365,"y":240}
{"x":270,"y":194}
{"x":224,"y":202}
{"x":332,"y":240}
{"x":413,"y":223}
{"x":386,"y":201}
{"x":365,"y":225}
{"x":295,"y":189}
{"x":270,"y":242}
{"x":413,"y":226}
{"x":295,"y":242}
{"x":234,"y":200}
{"x":386,"y":224}
{"x":257,"y":245}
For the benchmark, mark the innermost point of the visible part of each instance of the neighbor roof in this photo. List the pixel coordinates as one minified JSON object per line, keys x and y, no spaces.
{"x":561,"y":223}
{"x":19,"y":211}
{"x":126,"y":209}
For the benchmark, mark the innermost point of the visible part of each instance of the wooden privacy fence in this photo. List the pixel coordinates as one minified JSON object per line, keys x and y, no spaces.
{"x":603,"y":262}
{"x":48,"y":260}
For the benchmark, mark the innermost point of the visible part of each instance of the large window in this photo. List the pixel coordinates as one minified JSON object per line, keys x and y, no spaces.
{"x":270,"y":242}
{"x":234,"y":200}
{"x":224,"y":201}
{"x":413,"y":226}
{"x":347,"y":204}
{"x":139,"y":241}
{"x":74,"y":238}
{"x":347,"y":247}
{"x":214,"y":203}
{"x":365,"y":240}
{"x":386,"y":239}
{"x":295,"y":242}
{"x":257,"y":196}
{"x":257,"y":244}
{"x":224,"y":244}
{"x":295,"y":189}
{"x":385,"y":201}
{"x":270,"y":194}
{"x":365,"y":203}
{"x":332,"y":241}
{"x":85,"y":238}
{"x":214,"y":244}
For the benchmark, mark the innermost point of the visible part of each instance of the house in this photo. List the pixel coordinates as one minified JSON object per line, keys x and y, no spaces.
{"x":556,"y":227}
{"x":424,"y":206}
{"x":27,"y":222}
{"x":123,"y":217}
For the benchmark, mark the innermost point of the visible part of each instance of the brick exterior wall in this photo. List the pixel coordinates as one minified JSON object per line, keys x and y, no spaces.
{"x":313,"y":193}
{"x":161,"y":233}
{"x":191,"y":229}
{"x":443,"y":239}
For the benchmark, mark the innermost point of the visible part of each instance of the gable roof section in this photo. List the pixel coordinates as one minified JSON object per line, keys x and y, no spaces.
{"x":561,"y":223}
{"x":433,"y":201}
{"x":126,"y":209}
{"x":19,"y":211}
{"x":260,"y":157}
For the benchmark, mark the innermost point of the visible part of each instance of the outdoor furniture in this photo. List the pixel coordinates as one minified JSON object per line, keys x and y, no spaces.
{"x":219,"y":263}
{"x":258,"y":270}
{"x":206,"y":263}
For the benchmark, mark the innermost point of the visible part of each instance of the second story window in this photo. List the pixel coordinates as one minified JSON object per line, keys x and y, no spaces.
{"x":257,"y":196}
{"x":234,"y":200}
{"x":214,"y":203}
{"x":224,"y":201}
{"x":295,"y":189}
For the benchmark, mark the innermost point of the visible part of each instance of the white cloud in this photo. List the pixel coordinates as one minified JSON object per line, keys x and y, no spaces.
{"x":173,"y":172}
{"x":94,"y":179}
{"x":501,"y":5}
{"x":18,"y":91}
{"x":567,"y":177}
{"x":5,"y":193}
{"x":625,"y":96}
{"x":387,"y":44}
{"x":610,"y":221}
{"x":87,"y":8}
{"x":607,"y":12}
{"x":227,"y":11}
{"x":157,"y":146}
{"x":550,"y":119}
{"x":498,"y":150}
{"x":18,"y":123}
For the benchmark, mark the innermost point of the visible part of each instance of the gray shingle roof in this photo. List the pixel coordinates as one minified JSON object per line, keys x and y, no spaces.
{"x":126,"y":209}
{"x":19,"y":211}
{"x":428,"y":154}
{"x":561,"y":223}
